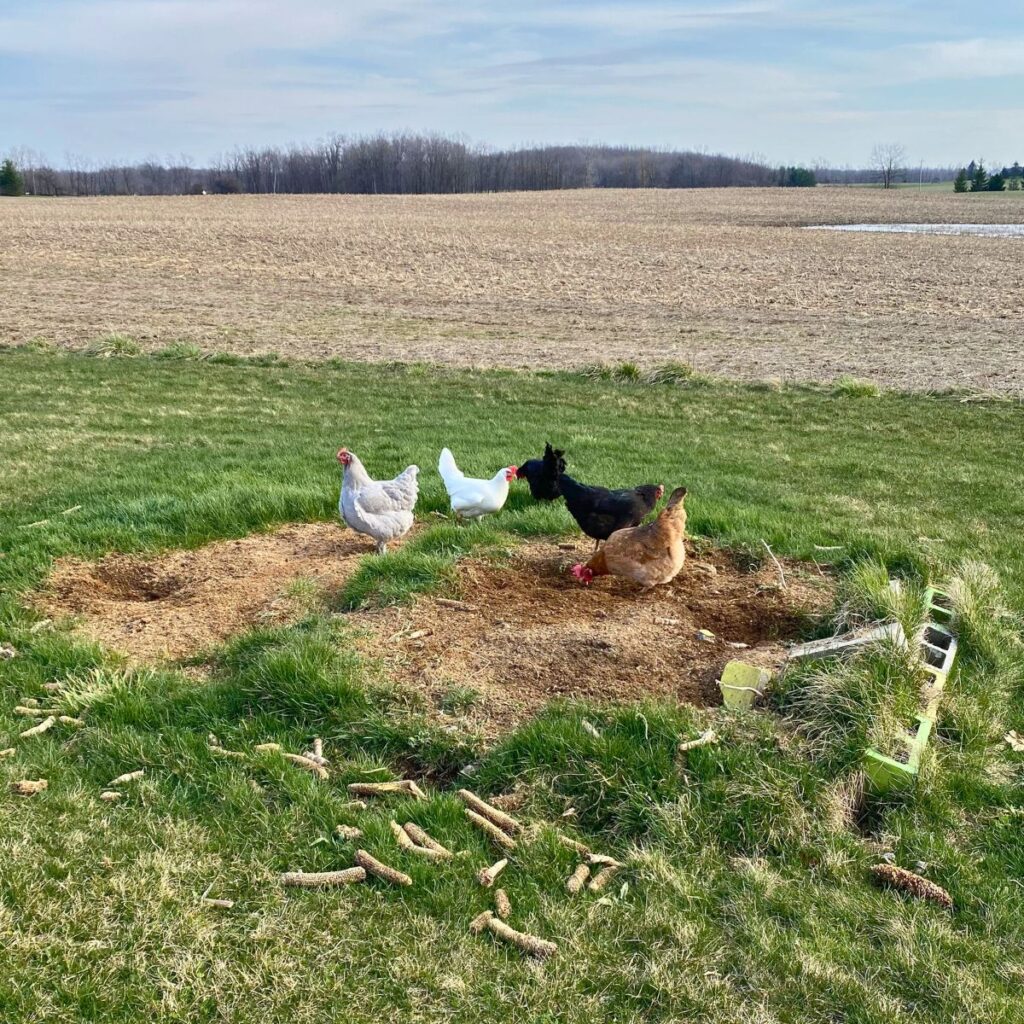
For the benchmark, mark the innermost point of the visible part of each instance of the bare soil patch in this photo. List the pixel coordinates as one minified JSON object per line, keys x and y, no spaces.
{"x":527,"y":633}
{"x":532,"y":634}
{"x":181,"y":603}
{"x":723,"y":279}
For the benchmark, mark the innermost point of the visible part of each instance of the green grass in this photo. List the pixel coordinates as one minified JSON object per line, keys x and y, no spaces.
{"x":747,"y":895}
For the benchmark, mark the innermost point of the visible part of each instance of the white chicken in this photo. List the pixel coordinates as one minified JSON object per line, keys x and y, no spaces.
{"x":471,"y":498}
{"x":380,"y":509}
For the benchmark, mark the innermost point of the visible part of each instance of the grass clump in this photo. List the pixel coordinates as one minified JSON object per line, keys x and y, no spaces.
{"x":853,"y":387}
{"x":180,"y":350}
{"x":114,"y":345}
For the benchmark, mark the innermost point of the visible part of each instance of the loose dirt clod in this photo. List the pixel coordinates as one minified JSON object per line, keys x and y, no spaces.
{"x":922,"y":888}
{"x":504,"y":821}
{"x":238,"y":755}
{"x":417,"y":835}
{"x":323,"y":879}
{"x":220,"y":904}
{"x":311,"y":766}
{"x":38,"y":730}
{"x":29,"y":787}
{"x":573,"y":844}
{"x":354,"y":805}
{"x":602,"y":878}
{"x":69,"y":720}
{"x":31,"y":712}
{"x":487,"y":876}
{"x":405,"y":840}
{"x":53,"y":687}
{"x":523,"y":940}
{"x":9,"y":752}
{"x":267,"y":748}
{"x":578,"y":878}
{"x":128,"y":777}
{"x":375,"y":867}
{"x":502,"y":904}
{"x":348,"y":832}
{"x":111,"y":796}
{"x":603,"y":860}
{"x":707,"y":737}
{"x":503,"y":839}
{"x":384,"y":788}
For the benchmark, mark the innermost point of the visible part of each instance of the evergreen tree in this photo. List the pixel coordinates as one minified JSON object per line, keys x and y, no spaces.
{"x":960,"y":181}
{"x":11,"y":182}
{"x":997,"y":183}
{"x":979,"y":180}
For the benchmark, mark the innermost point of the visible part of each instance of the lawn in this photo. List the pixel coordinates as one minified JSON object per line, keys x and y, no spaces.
{"x":746,"y":896}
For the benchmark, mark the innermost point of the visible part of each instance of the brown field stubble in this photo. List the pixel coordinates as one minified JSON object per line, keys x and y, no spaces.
{"x":725,"y":280}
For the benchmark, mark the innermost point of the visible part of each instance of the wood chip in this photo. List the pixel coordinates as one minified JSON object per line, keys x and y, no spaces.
{"x":128,"y":777}
{"x":323,"y":879}
{"x":406,"y":841}
{"x":417,"y":835}
{"x":578,"y":878}
{"x":411,"y":786}
{"x":602,"y":878}
{"x":375,"y":867}
{"x":479,"y":923}
{"x":573,"y":844}
{"x":922,"y":888}
{"x":503,"y":839}
{"x":29,"y":787}
{"x":502,"y":904}
{"x":707,"y":737}
{"x":384,"y":788}
{"x":311,"y":766}
{"x":522,"y":940}
{"x":604,"y":860}
{"x":487,"y":876}
{"x":348,"y":832}
{"x":504,"y":821}
{"x":111,"y":796}
{"x":224,"y":752}
{"x":38,"y":730}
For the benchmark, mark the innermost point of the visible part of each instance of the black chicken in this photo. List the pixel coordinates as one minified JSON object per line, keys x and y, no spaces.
{"x":600,"y":512}
{"x":542,"y":474}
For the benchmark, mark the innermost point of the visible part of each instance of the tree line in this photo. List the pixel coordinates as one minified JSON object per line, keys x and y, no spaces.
{"x":405,"y":164}
{"x":974,"y":178}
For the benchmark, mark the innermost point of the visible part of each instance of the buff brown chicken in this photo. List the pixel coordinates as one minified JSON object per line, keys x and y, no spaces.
{"x":650,"y":555}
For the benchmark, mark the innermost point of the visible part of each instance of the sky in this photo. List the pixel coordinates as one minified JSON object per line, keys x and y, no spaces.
{"x":788,"y":81}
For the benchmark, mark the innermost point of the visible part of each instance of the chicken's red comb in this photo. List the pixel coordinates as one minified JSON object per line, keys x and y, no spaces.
{"x":583,"y":573}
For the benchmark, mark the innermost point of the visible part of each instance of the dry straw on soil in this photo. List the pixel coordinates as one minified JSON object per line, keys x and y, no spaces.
{"x":723,"y":279}
{"x":534,"y":633}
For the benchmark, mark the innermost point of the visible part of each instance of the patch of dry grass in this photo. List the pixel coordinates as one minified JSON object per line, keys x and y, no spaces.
{"x":722,"y":280}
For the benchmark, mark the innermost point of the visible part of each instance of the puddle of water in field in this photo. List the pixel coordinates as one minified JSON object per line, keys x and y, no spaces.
{"x":984,"y":230}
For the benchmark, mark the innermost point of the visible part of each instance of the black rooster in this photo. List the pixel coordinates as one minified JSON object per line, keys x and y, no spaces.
{"x":600,"y":512}
{"x":542,"y":474}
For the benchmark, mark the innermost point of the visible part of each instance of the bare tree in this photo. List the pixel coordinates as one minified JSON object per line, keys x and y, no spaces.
{"x":887,"y":158}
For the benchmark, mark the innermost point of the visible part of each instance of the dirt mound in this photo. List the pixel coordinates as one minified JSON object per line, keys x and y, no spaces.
{"x":529,"y":632}
{"x":181,"y":603}
{"x":526,"y":632}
